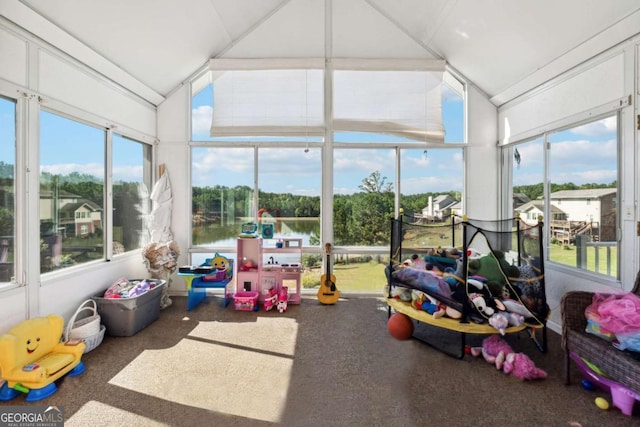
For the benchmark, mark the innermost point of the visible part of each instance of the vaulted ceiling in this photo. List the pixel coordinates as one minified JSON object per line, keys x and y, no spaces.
{"x":502,"y":47}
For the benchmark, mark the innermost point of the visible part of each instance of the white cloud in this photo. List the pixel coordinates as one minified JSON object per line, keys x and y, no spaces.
{"x":601,"y":176}
{"x":431,"y":184}
{"x":127,"y":173}
{"x":596,"y":129}
{"x":584,"y":153}
{"x":94,"y":169}
{"x":201,"y":120}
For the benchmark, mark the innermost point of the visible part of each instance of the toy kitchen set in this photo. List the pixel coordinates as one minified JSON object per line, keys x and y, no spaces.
{"x":266,"y":266}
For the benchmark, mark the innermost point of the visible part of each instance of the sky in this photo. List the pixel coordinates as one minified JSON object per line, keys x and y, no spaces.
{"x":297,"y":171}
{"x":68,"y":146}
{"x":580,"y":155}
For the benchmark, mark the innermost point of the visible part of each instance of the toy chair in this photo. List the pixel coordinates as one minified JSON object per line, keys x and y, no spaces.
{"x":32,"y":358}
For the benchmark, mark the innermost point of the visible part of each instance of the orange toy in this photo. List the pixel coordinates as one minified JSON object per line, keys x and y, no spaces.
{"x":400,"y":326}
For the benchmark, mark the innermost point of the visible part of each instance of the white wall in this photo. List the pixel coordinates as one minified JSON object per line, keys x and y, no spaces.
{"x":173,"y":132}
{"x":482,"y":167}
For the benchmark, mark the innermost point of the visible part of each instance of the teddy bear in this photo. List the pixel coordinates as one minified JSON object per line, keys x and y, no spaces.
{"x":497,"y":351}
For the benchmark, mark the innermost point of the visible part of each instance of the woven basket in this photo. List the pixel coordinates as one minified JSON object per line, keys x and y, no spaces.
{"x":94,"y":340}
{"x":85,"y":327}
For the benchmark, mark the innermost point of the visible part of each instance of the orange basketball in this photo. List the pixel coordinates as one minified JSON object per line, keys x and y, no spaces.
{"x":400,"y":326}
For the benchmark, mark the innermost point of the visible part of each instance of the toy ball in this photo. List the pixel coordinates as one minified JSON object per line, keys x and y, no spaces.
{"x":587,"y":385}
{"x":602,"y":403}
{"x":400,"y":326}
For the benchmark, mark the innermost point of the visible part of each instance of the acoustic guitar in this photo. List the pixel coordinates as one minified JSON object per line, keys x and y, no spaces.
{"x":328,"y":292}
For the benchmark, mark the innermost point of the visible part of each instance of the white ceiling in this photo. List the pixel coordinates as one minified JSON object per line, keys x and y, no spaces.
{"x":503,"y":47}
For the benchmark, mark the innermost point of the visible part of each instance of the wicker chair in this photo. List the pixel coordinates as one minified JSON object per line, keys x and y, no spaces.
{"x":619,"y":366}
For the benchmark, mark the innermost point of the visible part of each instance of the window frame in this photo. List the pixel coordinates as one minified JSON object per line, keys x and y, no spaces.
{"x":454,"y":83}
{"x":507,"y":184}
{"x":72,"y":113}
{"x":18,"y":199}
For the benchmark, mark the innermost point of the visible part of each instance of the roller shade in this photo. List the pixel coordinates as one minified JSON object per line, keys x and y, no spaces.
{"x":267,"y":98}
{"x":285,"y":97}
{"x":407,"y":103}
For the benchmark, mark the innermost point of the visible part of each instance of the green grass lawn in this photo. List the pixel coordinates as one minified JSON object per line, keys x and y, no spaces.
{"x":370,"y":277}
{"x":568,"y":256}
{"x":359,"y":277}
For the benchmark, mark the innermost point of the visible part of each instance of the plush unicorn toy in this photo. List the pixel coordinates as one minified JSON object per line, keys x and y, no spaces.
{"x":496,"y":350}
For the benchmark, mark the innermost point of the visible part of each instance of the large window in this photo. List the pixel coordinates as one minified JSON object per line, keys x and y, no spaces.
{"x":363,"y":196}
{"x":265,"y":149}
{"x":221,"y":194}
{"x":402,"y":103}
{"x":288,"y":193}
{"x":580,"y":204}
{"x":73,"y":220}
{"x":72,"y":171}
{"x":7,"y":188}
{"x":131,"y":189}
{"x":431,"y":183}
{"x":583,"y":185}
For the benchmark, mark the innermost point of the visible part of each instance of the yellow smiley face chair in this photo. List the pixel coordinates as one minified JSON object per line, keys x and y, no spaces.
{"x":32,"y":358}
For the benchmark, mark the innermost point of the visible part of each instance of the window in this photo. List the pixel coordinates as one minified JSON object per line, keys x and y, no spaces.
{"x":7,"y":188}
{"x":583,"y":175}
{"x":258,"y":100}
{"x":131,"y":189}
{"x":527,"y":178}
{"x":580,"y":204}
{"x":72,"y":171}
{"x":289,"y":183}
{"x":252,"y":161}
{"x":221,"y":194}
{"x":453,"y":109}
{"x":402,"y":103}
{"x":431,"y":183}
{"x":288,"y":193}
{"x":363,"y":196}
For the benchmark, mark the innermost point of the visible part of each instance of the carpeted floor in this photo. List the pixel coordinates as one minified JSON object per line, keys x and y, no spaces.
{"x":313,"y":365}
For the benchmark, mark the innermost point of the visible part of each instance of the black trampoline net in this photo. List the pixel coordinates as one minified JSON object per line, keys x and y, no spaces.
{"x":501,"y":260}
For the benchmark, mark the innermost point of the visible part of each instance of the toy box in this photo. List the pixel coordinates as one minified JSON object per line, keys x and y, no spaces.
{"x":124,"y":317}
{"x":245,"y":301}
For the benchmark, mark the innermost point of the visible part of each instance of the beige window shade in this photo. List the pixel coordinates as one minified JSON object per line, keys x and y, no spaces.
{"x":402,"y":103}
{"x":271,"y":102}
{"x":285,"y":97}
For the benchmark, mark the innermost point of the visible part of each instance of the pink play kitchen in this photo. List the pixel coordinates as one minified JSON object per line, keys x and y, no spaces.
{"x":270,"y":268}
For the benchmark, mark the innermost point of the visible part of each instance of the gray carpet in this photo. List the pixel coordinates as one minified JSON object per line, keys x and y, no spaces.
{"x":313,"y":365}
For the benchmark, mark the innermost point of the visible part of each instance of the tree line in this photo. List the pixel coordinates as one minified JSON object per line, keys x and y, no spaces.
{"x":361,"y":218}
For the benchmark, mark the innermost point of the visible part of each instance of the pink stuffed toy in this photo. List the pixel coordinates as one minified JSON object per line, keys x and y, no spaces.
{"x":497,"y":351}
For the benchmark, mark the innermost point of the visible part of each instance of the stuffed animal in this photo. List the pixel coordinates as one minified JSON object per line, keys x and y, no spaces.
{"x":161,"y":261}
{"x":497,"y":351}
{"x":425,"y":302}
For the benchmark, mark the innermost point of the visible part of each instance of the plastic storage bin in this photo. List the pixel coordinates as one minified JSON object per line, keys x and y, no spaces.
{"x":245,"y":301}
{"x":124,"y":317}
